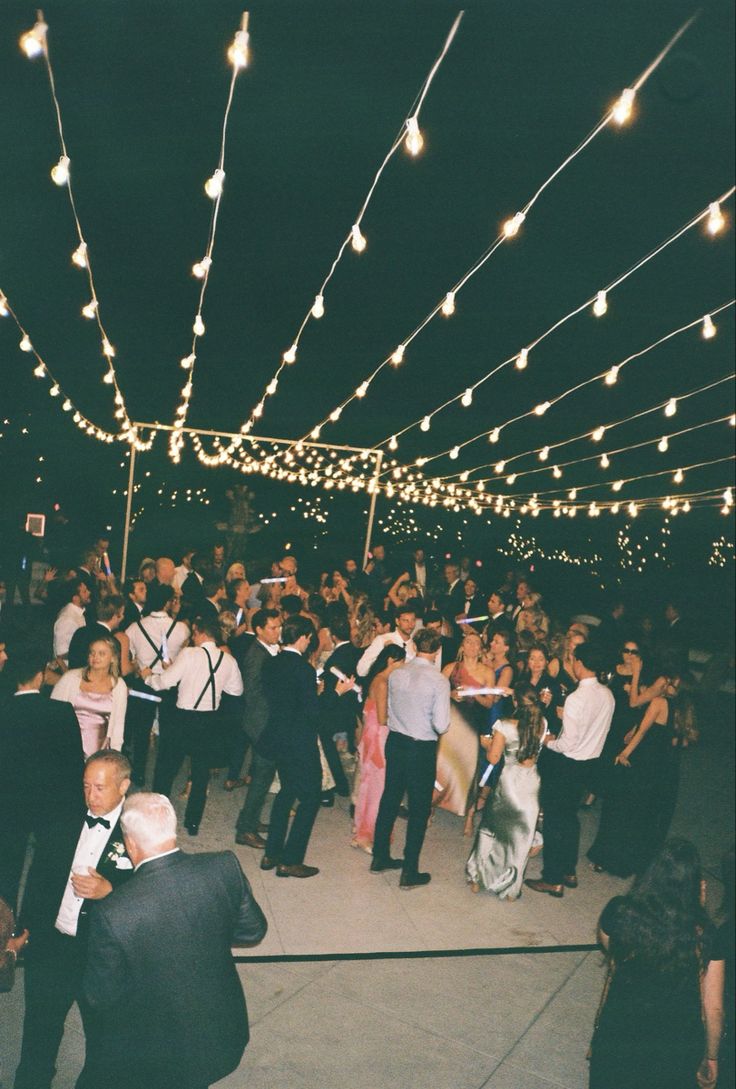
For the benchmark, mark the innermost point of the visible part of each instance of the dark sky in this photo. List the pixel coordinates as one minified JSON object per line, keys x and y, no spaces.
{"x":142,"y":87}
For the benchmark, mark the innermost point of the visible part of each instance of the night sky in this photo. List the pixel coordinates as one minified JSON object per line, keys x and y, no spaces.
{"x":142,"y":88}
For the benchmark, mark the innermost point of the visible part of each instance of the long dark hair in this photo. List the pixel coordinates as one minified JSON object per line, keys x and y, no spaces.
{"x":530,"y":719}
{"x":662,"y":921}
{"x":390,"y":653}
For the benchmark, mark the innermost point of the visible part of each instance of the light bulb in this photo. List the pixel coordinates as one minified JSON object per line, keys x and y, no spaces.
{"x":544,"y":453}
{"x":79,"y":257}
{"x":258,"y":410}
{"x":499,"y":467}
{"x":495,"y":435}
{"x":522,"y":359}
{"x":728,"y":497}
{"x":336,"y":414}
{"x":663,"y":445}
{"x":709,"y":329}
{"x":90,"y":309}
{"x":511,"y":478}
{"x":290,"y":354}
{"x":357,"y":238}
{"x":25,"y":344}
{"x":598,"y":434}
{"x":572,"y":494}
{"x":107,"y":348}
{"x":604,"y":462}
{"x":362,"y":389}
{"x":600,"y":306}
{"x":455,"y":453}
{"x":511,"y":226}
{"x":201,"y":268}
{"x":272,"y":386}
{"x":67,"y":406}
{"x":393,"y":443}
{"x":397,"y":356}
{"x":615,"y":508}
{"x":33,"y":42}
{"x":633,"y":509}
{"x":315,"y":432}
{"x":425,"y":424}
{"x":198,"y":327}
{"x":318,"y":306}
{"x":39,"y":371}
{"x":541,"y":409}
{"x":3,"y":306}
{"x":679,"y":477}
{"x":732,"y":420}
{"x":414,"y":140}
{"x":467,"y":398}
{"x":624,"y":106}
{"x":54,"y":391}
{"x":715,"y":221}
{"x":108,"y":378}
{"x":671,"y":407}
{"x":187,"y":361}
{"x":238,"y":53}
{"x":60,"y":172}
{"x":448,"y":306}
{"x":420,"y":462}
{"x":686,"y":506}
{"x":213,"y":185}
{"x":556,"y":472}
{"x":612,"y":376}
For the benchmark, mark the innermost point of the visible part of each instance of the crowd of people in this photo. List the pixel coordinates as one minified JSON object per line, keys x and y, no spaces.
{"x":399,"y":686}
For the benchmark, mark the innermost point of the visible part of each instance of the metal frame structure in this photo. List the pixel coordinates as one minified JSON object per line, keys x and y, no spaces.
{"x":371,"y":451}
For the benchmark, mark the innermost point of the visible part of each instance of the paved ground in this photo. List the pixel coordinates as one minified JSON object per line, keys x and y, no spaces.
{"x":519,"y":1020}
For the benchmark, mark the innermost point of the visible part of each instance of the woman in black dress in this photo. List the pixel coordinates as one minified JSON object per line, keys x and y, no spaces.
{"x":660,"y":1019}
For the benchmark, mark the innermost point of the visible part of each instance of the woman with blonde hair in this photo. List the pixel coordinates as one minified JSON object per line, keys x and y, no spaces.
{"x":98,"y":695}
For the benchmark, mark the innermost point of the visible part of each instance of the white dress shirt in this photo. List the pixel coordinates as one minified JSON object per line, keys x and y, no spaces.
{"x":161,"y":854}
{"x":157,"y":625}
{"x":180,"y":574}
{"x":90,"y":846}
{"x":586,"y":719}
{"x":371,"y":653}
{"x":191,"y":672}
{"x":69,"y":619}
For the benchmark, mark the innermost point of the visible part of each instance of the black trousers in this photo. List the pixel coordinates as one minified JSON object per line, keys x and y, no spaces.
{"x":262,"y":772}
{"x":332,"y":756}
{"x":300,"y":780}
{"x":193,"y":734}
{"x":411,"y":767}
{"x":563,"y":781}
{"x":54,"y":965}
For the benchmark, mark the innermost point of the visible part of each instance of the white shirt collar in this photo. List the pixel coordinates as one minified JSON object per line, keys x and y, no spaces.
{"x":28,"y":692}
{"x":272,"y":648}
{"x":163,"y":854}
{"x":293,"y":650}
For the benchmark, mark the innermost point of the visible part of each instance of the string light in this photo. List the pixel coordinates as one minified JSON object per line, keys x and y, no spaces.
{"x":605,"y":461}
{"x":716,"y":220}
{"x":612,"y":376}
{"x":467,"y":398}
{"x":671,"y":407}
{"x":60,"y":172}
{"x":414,"y":140}
{"x":362,"y":389}
{"x":663,"y":445}
{"x":213,"y":185}
{"x":624,"y":107}
{"x":239,"y":51}
{"x":357,"y":238}
{"x":90,"y":309}
{"x":678,"y":477}
{"x":25,"y":343}
{"x":79,"y":257}
{"x":448,"y":306}
{"x":397,"y":356}
{"x":522,"y":359}
{"x":3,"y":306}
{"x":425,"y":424}
{"x":544,"y":453}
{"x":318,"y":307}
{"x":33,"y":42}
{"x":600,"y":306}
{"x":542,"y":408}
{"x":198,"y":327}
{"x":494,"y":435}
{"x":289,"y":355}
{"x":511,"y":226}
{"x":709,"y":329}
{"x":200,"y":269}
{"x":598,"y":434}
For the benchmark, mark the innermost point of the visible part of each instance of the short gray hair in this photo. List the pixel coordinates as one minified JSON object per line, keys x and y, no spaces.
{"x":149,"y":819}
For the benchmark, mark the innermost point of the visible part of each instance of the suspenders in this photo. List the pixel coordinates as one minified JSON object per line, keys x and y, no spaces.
{"x":159,"y":650}
{"x":210,"y":680}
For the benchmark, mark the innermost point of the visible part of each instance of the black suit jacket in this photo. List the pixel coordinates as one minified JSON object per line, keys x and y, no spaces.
{"x":160,"y":973}
{"x":80,"y":644}
{"x":478,"y":607}
{"x":255,"y":703}
{"x":451,"y":603}
{"x":338,"y":713}
{"x":290,"y":684}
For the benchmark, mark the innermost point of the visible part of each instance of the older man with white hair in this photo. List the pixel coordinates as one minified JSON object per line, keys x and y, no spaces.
{"x":170,"y":1010}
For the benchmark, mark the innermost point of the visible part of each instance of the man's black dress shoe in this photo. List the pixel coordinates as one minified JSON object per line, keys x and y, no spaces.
{"x":269,"y":863}
{"x":193,"y":829}
{"x":414,"y":880}
{"x":570,"y":881}
{"x":378,"y":865}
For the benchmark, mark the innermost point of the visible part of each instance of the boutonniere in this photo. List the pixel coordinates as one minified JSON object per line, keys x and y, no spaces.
{"x":116,"y":854}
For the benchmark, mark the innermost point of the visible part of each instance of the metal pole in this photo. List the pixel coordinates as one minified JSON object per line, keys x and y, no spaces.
{"x":372,"y":507}
{"x":128,"y":510}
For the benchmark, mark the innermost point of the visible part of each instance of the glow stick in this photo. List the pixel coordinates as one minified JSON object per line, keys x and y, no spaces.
{"x":472,"y":619}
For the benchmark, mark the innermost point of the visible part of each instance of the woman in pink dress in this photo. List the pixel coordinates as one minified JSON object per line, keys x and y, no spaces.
{"x":98,"y":695}
{"x":372,"y":744}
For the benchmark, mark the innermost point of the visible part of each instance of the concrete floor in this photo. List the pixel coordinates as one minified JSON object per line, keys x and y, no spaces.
{"x":518,"y":1020}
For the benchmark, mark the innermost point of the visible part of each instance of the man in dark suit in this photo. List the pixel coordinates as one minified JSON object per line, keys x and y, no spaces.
{"x":110,"y":613}
{"x":136,"y":591}
{"x":213,"y":590}
{"x":474,"y":604}
{"x":338,"y":713}
{"x":41,"y":763}
{"x":290,"y":740}
{"x":71,"y":872}
{"x":169,"y":1008}
{"x":452,"y":601}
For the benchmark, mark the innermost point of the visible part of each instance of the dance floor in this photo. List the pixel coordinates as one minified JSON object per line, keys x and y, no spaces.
{"x":507,"y":1001}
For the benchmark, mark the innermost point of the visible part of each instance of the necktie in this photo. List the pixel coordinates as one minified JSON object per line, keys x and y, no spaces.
{"x":92,"y":821}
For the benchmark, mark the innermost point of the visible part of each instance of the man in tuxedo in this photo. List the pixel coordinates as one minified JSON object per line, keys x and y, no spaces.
{"x":70,"y":873}
{"x":169,"y":1008}
{"x":473,"y":604}
{"x":452,"y":601}
{"x":448,"y":646}
{"x":135,"y":594}
{"x":41,"y":763}
{"x":523,"y":587}
{"x":290,"y":741}
{"x":214,"y":594}
{"x":338,"y":713}
{"x":110,"y":613}
{"x":419,"y":572}
{"x":71,"y":616}
{"x":405,"y":622}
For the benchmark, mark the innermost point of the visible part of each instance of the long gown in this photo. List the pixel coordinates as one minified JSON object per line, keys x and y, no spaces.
{"x":458,"y":749}
{"x":504,"y":838}
{"x":372,"y":775}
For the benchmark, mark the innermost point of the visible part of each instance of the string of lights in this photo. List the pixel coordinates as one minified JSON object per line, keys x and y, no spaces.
{"x":714,"y":220}
{"x":34,"y":43}
{"x":238,"y":55}
{"x":411,"y":137}
{"x":618,"y":114}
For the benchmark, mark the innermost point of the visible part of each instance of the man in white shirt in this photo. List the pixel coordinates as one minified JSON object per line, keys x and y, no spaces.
{"x":563,"y":767}
{"x":69,"y":872}
{"x":203,"y":674}
{"x":71,"y":617}
{"x":401,"y":636}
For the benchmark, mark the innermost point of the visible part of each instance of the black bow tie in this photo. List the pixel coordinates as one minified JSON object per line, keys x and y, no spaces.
{"x":92,"y":821}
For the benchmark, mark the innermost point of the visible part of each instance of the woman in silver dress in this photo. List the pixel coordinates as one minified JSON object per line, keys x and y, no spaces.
{"x":504,"y":838}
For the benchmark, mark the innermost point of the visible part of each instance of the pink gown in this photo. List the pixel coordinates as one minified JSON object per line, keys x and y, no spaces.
{"x":372,"y":775}
{"x":93,"y":710}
